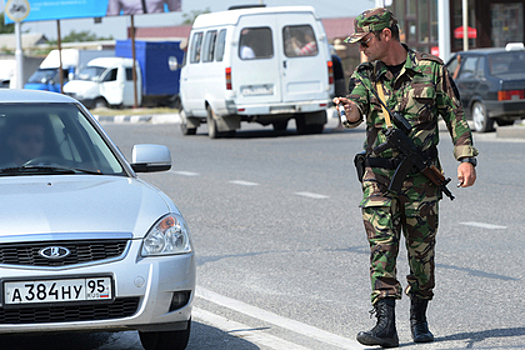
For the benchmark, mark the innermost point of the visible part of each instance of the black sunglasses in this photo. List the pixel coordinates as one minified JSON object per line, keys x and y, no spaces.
{"x":364,"y":43}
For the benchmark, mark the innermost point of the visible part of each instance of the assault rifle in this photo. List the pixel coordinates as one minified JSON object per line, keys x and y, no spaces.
{"x":412,"y":156}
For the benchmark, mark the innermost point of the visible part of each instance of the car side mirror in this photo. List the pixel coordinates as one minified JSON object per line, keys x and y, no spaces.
{"x":150,"y":158}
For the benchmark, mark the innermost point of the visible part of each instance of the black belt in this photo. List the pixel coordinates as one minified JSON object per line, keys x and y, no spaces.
{"x":393,"y":163}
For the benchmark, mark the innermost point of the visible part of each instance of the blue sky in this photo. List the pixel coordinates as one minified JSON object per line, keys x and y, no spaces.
{"x":117,"y":26}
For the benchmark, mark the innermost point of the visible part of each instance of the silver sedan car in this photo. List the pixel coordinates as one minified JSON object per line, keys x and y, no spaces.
{"x":84,"y":244}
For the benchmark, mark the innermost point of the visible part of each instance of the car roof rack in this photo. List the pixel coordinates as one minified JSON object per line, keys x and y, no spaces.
{"x":241,"y":7}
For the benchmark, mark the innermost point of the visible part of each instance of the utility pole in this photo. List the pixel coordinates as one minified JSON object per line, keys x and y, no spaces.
{"x":19,"y":57}
{"x":465,"y":24}
{"x":444,"y":29}
{"x":17,"y":12}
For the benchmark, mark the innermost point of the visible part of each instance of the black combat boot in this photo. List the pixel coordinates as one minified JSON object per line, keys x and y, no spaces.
{"x":418,"y":320}
{"x":384,"y":333}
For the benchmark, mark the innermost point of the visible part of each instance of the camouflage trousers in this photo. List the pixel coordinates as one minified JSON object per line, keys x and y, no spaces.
{"x":415,"y":215}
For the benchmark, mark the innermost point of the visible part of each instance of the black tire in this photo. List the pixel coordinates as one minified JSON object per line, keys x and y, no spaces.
{"x":480,"y":117}
{"x":100,"y":102}
{"x":280,"y":125}
{"x":300,"y":124}
{"x":173,"y":340}
{"x":306,"y":129}
{"x":316,"y":128}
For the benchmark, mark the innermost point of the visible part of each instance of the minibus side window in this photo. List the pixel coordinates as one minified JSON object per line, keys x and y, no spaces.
{"x":209,"y":46}
{"x":129,"y":74}
{"x":195,"y":53}
{"x":255,"y":43}
{"x":299,"y":40}
{"x":221,"y":44}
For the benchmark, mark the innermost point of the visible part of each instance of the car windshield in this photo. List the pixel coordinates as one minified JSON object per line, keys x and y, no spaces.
{"x":511,"y":62}
{"x":90,"y":73}
{"x":42,"y":75}
{"x":51,"y":138}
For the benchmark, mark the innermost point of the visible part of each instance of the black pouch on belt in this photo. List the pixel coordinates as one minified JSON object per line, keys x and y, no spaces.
{"x":359,"y":162}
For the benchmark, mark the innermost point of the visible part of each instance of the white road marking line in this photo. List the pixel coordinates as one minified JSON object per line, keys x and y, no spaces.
{"x":311,"y":195}
{"x":244,"y":183}
{"x":483,"y":225}
{"x":283,"y":322}
{"x":244,"y":332}
{"x":184,"y":173}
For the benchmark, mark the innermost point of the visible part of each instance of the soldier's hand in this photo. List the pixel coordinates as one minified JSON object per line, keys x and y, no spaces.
{"x":466,"y":174}
{"x":351,"y":111}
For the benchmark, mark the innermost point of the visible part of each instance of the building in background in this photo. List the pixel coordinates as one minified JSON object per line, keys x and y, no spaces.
{"x":492,"y":23}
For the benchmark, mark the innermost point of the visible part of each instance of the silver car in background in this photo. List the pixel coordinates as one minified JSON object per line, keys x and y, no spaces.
{"x":84,"y":244}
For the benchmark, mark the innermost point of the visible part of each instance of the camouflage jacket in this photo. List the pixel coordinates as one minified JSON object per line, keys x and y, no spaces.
{"x":422,"y":91}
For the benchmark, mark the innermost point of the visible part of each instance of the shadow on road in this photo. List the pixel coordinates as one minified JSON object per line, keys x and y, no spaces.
{"x":270,"y":133}
{"x":77,"y":341}
{"x":473,"y":337}
{"x":203,"y":337}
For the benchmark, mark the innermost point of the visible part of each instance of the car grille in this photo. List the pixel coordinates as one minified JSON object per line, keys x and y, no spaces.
{"x":121,"y":307}
{"x":27,"y":254}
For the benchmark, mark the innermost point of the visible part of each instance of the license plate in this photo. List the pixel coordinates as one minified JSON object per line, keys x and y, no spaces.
{"x":257,"y":90}
{"x":282,"y":109}
{"x":56,"y":291}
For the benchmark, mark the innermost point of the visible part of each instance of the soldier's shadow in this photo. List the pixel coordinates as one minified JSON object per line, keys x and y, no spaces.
{"x":473,"y":337}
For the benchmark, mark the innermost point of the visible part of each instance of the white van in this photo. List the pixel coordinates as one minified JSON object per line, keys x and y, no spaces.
{"x":106,"y":81}
{"x":259,"y":64}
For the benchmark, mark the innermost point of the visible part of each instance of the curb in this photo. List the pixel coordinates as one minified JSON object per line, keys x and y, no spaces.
{"x":142,"y":119}
{"x":515,"y":131}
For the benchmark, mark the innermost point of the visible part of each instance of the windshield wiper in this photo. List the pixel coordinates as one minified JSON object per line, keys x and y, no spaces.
{"x":45,"y":170}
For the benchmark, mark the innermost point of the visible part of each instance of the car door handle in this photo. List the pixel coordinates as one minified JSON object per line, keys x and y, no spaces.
{"x":284,"y":64}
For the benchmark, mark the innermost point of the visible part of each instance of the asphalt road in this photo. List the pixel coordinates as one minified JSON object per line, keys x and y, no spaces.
{"x":282,"y":255}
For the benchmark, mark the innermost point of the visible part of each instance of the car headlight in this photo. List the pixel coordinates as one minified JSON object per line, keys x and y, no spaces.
{"x":169,"y":236}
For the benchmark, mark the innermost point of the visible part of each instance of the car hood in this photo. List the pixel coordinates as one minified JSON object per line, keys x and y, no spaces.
{"x":80,"y":86}
{"x":511,"y":76}
{"x":79,"y":204}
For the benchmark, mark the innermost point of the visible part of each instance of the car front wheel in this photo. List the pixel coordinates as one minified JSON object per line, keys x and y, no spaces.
{"x":173,"y":340}
{"x":100,"y":102}
{"x":482,"y":122}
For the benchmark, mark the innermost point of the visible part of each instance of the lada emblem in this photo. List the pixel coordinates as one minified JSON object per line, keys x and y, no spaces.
{"x":54,"y":252}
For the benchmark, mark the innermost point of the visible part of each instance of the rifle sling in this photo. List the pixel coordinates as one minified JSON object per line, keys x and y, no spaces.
{"x":381,"y":94}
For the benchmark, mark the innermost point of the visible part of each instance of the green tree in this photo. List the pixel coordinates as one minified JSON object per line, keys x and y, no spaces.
{"x":82,"y":36}
{"x":6,"y":28}
{"x":189,"y":18}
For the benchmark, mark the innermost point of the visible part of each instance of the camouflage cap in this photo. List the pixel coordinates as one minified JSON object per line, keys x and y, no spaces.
{"x":371,"y":20}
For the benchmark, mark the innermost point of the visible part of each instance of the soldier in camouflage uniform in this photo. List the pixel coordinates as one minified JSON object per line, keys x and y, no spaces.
{"x":420,"y":87}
